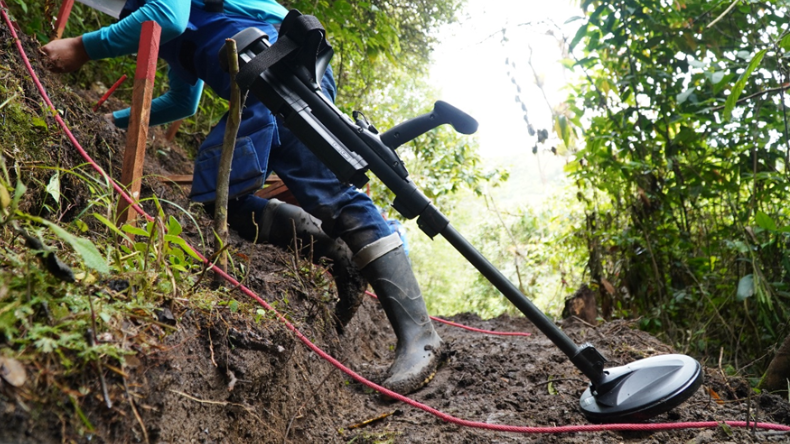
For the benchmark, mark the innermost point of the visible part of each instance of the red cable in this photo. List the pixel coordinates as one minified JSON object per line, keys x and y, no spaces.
{"x":340,"y":366}
{"x":466,"y":327}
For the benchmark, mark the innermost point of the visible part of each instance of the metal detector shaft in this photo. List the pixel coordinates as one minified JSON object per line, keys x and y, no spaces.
{"x":582,"y":357}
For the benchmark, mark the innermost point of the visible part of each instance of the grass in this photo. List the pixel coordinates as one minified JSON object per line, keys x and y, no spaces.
{"x":99,"y":303}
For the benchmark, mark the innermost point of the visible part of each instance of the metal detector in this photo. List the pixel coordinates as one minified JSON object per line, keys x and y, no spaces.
{"x":285,"y":76}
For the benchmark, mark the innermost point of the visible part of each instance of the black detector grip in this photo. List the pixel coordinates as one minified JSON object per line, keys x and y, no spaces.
{"x":442,"y":113}
{"x":250,"y":39}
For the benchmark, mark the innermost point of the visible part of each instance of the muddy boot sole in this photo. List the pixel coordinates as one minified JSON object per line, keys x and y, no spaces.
{"x":421,"y":379}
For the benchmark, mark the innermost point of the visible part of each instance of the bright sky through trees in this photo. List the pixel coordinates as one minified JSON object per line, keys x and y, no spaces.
{"x":471,"y":73}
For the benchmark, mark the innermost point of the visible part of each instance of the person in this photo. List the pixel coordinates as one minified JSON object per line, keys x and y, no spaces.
{"x":341,"y":223}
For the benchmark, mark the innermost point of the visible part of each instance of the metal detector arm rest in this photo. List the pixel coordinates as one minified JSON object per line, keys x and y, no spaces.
{"x":348,"y":149}
{"x":347,"y":166}
{"x":282,"y":100}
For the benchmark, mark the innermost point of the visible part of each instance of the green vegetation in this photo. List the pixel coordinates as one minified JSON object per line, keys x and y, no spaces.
{"x":64,"y":320}
{"x":539,"y":248}
{"x":685,"y":167}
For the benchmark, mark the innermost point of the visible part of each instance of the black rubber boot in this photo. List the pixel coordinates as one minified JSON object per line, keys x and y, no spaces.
{"x":419,"y":350}
{"x":278,"y":224}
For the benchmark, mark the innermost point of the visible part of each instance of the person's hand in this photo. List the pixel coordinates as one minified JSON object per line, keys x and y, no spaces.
{"x":65,"y":55}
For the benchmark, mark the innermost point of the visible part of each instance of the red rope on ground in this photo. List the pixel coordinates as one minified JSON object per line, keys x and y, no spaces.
{"x":338,"y":364}
{"x":466,"y":327}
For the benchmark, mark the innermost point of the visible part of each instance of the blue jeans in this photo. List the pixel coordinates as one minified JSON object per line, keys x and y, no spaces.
{"x":344,"y":211}
{"x":264,"y":146}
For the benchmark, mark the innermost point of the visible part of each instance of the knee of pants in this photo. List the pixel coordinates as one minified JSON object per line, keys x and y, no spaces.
{"x":357,"y":223}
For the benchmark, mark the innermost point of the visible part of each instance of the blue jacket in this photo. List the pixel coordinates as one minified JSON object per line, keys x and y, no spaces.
{"x":173,"y":16}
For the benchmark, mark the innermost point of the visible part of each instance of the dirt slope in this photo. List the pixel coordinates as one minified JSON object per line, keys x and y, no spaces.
{"x":282,"y":389}
{"x":221,"y":376}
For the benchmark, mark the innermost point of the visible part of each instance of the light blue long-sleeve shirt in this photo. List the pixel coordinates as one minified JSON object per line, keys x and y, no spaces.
{"x":123,"y":38}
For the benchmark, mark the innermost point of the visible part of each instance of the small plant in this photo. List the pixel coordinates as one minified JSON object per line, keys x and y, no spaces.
{"x":156,"y":245}
{"x":62,"y":305}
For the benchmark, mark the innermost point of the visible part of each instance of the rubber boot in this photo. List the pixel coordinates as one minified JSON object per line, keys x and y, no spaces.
{"x":420,"y":349}
{"x":280,"y":221}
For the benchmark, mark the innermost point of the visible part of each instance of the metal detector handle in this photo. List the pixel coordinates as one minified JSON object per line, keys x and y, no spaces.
{"x":250,"y":39}
{"x":442,"y":113}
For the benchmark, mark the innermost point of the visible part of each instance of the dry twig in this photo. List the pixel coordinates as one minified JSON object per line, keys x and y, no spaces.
{"x":224,"y":404}
{"x":371,"y":420}
{"x":228,"y":146}
{"x":211,"y":348}
{"x":134,"y":410}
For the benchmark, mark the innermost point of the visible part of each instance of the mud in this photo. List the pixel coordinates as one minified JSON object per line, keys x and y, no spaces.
{"x":224,"y":376}
{"x":282,"y":392}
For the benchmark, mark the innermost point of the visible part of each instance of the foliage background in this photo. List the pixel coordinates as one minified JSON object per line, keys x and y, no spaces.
{"x":684,"y":169}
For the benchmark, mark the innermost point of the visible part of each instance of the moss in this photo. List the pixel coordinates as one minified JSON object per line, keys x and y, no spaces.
{"x":26,"y":130}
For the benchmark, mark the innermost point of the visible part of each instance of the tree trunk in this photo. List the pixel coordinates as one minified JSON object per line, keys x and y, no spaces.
{"x":778,"y":373}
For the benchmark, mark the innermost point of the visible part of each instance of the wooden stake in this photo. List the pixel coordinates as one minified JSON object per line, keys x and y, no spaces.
{"x":228,"y":146}
{"x":109,"y":92}
{"x":172,"y":130}
{"x":137,"y":133}
{"x":63,"y":17}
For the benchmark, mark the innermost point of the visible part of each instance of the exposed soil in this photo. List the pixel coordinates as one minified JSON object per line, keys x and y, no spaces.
{"x":229,"y":377}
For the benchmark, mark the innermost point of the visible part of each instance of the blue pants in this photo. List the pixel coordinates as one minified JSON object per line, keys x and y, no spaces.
{"x":343,"y":211}
{"x":265,"y":145}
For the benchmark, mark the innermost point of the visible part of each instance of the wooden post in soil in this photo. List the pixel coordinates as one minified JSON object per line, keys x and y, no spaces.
{"x":172,"y":130}
{"x":137,"y":133}
{"x":63,"y":17}
{"x":775,"y":379}
{"x":228,"y":145}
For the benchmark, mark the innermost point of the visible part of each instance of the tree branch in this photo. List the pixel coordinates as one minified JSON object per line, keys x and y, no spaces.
{"x":757,"y":94}
{"x":228,"y":145}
